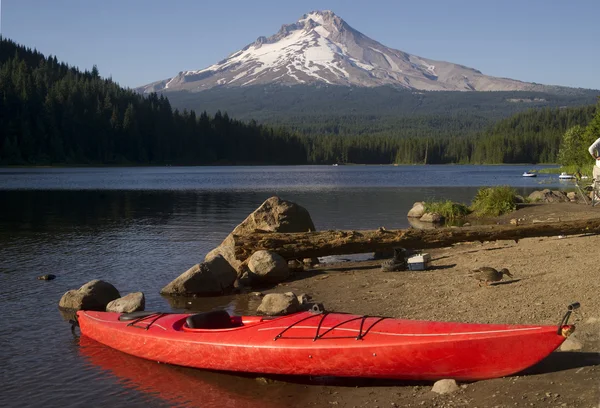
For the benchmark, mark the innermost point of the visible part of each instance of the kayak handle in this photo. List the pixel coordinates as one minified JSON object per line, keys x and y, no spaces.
{"x":573,"y":306}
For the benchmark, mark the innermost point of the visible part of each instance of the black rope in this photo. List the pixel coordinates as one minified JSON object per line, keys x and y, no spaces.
{"x":340,"y":324}
{"x":156,"y":316}
{"x":370,"y":327}
{"x":292,"y":325}
{"x":319,"y":326}
{"x":320,"y":336}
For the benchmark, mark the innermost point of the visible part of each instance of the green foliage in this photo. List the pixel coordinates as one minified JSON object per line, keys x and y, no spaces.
{"x":451,"y":211}
{"x":494,"y":201}
{"x":592,"y":131}
{"x":574,"y":148}
{"x":51,"y":113}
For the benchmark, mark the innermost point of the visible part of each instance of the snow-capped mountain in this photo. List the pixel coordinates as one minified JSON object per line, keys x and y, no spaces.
{"x":321,"y":48}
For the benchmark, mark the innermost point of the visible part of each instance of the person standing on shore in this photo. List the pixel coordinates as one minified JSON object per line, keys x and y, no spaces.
{"x":594,"y":150}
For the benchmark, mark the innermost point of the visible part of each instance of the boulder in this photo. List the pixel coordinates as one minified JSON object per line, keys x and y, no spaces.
{"x":267,"y":266}
{"x":46,"y":277}
{"x":132,"y":302}
{"x":572,"y":196}
{"x":94,"y":295}
{"x":276,"y":304}
{"x":432,"y":217}
{"x":446,"y":386}
{"x":274,"y":215}
{"x":207,"y":278}
{"x":417,"y":210}
{"x":548,"y":196}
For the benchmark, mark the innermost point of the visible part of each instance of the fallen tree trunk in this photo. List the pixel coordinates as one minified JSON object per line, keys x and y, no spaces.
{"x":300,"y":245}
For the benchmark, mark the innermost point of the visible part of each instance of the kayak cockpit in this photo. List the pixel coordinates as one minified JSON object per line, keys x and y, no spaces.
{"x":217,"y":320}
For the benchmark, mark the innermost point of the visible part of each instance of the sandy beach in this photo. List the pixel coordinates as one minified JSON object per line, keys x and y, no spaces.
{"x":549,"y":273}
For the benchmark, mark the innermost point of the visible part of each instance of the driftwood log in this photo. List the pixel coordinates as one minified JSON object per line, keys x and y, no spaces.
{"x":300,"y":245}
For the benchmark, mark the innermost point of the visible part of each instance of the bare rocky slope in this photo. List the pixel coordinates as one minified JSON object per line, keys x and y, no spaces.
{"x":321,"y":48}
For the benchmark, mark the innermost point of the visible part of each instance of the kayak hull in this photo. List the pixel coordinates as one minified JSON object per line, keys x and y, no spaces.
{"x":333,"y":344}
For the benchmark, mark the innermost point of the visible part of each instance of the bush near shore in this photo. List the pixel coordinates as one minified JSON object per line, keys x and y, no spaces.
{"x":488,"y":202}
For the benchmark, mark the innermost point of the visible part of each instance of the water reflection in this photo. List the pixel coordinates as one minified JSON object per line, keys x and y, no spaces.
{"x":178,"y":386}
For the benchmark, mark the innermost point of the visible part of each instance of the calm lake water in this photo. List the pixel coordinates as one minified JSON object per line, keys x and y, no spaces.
{"x":139,"y":228}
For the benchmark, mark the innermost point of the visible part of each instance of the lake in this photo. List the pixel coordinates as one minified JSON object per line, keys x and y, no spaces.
{"x":139,"y":228}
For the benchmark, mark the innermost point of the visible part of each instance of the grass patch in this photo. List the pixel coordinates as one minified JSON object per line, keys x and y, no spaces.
{"x":570,"y":169}
{"x":494,"y":201}
{"x":449,"y":210}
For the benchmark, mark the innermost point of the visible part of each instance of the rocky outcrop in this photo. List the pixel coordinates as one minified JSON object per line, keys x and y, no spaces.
{"x":132,"y":302}
{"x":274,"y":215}
{"x":417,"y":210}
{"x":548,"y":196}
{"x":94,"y":295}
{"x":267,"y":266}
{"x":277,"y":304}
{"x":214,"y":276}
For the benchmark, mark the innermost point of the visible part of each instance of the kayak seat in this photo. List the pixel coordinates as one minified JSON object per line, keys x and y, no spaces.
{"x":125,"y":317}
{"x":217,"y":319}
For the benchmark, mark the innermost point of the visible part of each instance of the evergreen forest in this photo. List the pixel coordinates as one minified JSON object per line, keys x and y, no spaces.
{"x":55,"y":114}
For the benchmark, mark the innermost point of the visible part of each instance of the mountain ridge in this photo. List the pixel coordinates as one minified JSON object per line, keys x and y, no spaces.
{"x":321,"y":48}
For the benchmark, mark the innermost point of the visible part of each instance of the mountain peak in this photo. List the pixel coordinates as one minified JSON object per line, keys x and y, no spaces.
{"x":321,"y":47}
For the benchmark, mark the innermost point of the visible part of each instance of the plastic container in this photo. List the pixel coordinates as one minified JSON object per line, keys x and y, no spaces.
{"x":419,"y":262}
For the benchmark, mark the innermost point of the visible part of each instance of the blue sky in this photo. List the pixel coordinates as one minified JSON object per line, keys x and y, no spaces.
{"x":141,"y":41}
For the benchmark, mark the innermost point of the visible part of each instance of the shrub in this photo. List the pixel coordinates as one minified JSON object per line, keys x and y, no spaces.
{"x":494,"y":201}
{"x":448,"y":209}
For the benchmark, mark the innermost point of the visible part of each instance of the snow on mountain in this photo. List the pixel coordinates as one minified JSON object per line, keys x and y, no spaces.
{"x":321,"y":48}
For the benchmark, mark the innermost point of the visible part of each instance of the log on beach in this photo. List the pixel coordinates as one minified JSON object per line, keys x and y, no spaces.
{"x":343,"y":242}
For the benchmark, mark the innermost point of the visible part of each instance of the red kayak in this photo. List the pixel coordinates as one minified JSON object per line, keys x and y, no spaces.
{"x":327,"y":344}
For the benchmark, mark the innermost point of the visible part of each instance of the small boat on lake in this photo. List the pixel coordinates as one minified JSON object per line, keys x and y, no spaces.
{"x":528,"y":174}
{"x":327,"y":344}
{"x":566,"y":176}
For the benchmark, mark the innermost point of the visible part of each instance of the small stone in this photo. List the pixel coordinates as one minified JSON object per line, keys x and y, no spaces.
{"x":445,"y":386}
{"x":46,"y":277}
{"x":571,"y":344}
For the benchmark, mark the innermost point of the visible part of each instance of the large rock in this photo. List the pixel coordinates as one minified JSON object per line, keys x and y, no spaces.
{"x":207,"y":278}
{"x":417,"y":210}
{"x":267,"y":266}
{"x":548,"y":196}
{"x":132,"y":302}
{"x":94,"y":295}
{"x":276,"y":304}
{"x":275,"y":215}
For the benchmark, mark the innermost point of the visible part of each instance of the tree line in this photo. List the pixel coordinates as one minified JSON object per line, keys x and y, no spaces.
{"x":51,"y":113}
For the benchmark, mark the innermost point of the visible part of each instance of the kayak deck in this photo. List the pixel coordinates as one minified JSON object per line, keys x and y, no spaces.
{"x":329,"y":344}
